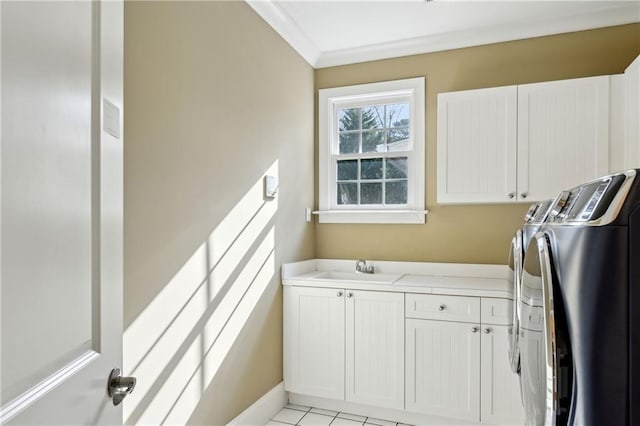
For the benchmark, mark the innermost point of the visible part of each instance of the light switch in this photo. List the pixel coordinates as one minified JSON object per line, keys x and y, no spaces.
{"x":270,"y":186}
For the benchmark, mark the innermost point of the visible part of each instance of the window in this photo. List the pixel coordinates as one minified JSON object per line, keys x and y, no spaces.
{"x":371,"y":162}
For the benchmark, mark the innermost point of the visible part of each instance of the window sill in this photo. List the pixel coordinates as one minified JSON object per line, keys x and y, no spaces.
{"x":372,"y":216}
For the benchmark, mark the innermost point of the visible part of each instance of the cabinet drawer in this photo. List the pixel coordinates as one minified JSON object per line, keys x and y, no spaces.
{"x":496,"y":311}
{"x":447,"y":308}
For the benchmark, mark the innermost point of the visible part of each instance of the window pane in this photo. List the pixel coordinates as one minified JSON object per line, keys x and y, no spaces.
{"x":371,"y":193}
{"x":347,"y":193}
{"x":349,"y":143}
{"x":347,"y":169}
{"x":396,"y":192}
{"x":396,"y":168}
{"x":373,"y":117}
{"x":373,"y":141}
{"x":398,"y":136}
{"x":349,"y":119}
{"x":371,"y":168}
{"x":397,"y":115}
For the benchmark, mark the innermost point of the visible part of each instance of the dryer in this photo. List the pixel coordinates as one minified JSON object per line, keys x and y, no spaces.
{"x":580,"y":300}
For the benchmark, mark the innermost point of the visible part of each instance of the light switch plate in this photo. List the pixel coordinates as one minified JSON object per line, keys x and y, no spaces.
{"x":270,"y":186}
{"x":110,"y":118}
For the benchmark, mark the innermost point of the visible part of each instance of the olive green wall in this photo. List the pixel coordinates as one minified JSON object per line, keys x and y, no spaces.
{"x":469,"y":233}
{"x":213,"y":98}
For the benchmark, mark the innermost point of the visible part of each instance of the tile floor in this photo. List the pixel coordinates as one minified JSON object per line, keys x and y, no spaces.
{"x":293,"y":414}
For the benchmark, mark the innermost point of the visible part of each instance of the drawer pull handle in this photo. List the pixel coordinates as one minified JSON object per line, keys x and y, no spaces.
{"x":339,"y":294}
{"x":487,"y":330}
{"x":474,"y":329}
{"x":441,"y":307}
{"x":349,"y":295}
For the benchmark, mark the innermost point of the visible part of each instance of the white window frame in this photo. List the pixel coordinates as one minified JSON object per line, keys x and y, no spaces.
{"x":329,"y":102}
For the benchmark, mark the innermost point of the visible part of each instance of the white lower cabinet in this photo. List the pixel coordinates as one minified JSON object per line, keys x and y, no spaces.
{"x":457,"y":359}
{"x":314,"y":341}
{"x":500,"y":387}
{"x":345,"y":344}
{"x":443,"y":369}
{"x":448,"y":358}
{"x":375,"y":348}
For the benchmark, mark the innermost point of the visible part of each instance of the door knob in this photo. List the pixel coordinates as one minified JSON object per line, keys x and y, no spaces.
{"x":339,"y":294}
{"x":487,"y":330}
{"x":119,"y":386}
{"x":474,"y":329}
{"x":349,"y":295}
{"x":524,"y":195}
{"x":511,"y":194}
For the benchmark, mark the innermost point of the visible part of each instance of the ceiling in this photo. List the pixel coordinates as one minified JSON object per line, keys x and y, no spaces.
{"x":337,"y":32}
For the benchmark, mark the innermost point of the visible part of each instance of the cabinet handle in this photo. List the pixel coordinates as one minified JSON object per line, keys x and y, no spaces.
{"x":487,"y":330}
{"x":441,"y":307}
{"x":339,"y":294}
{"x":349,"y":295}
{"x":524,"y":195}
{"x":511,"y":194}
{"x":474,"y":329}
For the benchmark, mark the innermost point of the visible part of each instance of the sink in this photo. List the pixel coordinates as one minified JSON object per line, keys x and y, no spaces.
{"x":357,"y":277}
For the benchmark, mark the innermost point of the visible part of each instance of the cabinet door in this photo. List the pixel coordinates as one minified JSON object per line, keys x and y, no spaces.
{"x":375,"y":348}
{"x":563,"y":135}
{"x":443,"y":369}
{"x":314,"y":341}
{"x":477,"y":145}
{"x":500,"y":388}
{"x":632,"y":114}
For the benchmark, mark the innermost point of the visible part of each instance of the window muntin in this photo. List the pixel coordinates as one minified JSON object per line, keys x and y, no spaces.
{"x":372,"y":181}
{"x":376,"y":128}
{"x":371,"y":146}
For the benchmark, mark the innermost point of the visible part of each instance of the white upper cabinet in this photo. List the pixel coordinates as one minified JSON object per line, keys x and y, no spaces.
{"x":632,"y":114}
{"x":477,"y":145}
{"x":522,"y":143}
{"x":375,"y":348}
{"x":563,"y":135}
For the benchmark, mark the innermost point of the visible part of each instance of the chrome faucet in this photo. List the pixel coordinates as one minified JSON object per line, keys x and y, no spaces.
{"x":362,"y":267}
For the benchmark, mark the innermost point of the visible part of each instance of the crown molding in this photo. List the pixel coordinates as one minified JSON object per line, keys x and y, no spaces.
{"x":616,"y":15}
{"x":288,"y":29}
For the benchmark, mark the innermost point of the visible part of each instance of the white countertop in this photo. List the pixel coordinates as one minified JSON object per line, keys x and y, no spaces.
{"x":409,"y":277}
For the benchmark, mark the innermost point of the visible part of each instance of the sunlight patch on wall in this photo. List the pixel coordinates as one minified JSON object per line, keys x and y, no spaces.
{"x":177,"y":343}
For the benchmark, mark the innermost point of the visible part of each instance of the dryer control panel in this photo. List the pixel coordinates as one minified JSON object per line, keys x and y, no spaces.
{"x":587,"y":202}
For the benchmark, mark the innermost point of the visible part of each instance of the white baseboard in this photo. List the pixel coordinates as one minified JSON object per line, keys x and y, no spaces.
{"x":263,"y":410}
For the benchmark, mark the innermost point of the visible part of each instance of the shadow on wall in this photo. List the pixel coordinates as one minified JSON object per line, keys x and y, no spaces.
{"x":177,"y":344}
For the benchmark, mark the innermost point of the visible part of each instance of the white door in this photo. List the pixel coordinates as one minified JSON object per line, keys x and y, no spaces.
{"x":443,"y":369}
{"x":61,"y":226}
{"x":563,"y":135}
{"x":375,"y":348}
{"x":500,"y":387}
{"x":477,"y":145}
{"x":314,"y":341}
